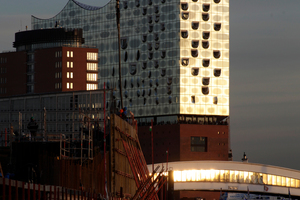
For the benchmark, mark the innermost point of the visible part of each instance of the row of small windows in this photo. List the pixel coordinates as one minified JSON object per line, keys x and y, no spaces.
{"x":92,"y":56}
{"x":3,"y":60}
{"x":205,"y":62}
{"x":57,"y":85}
{"x":3,"y":80}
{"x":58,"y":54}
{"x":69,"y":64}
{"x":92,"y":66}
{"x":58,"y":75}
{"x":185,"y":7}
{"x":195,"y":72}
{"x":91,"y":77}
{"x":69,"y":74}
{"x":57,"y":64}
{"x":90,"y":86}
{"x":216,"y":53}
{"x":205,"y":91}
{"x":69,"y":85}
{"x":137,"y":4}
{"x":156,"y":10}
{"x":3,"y":70}
{"x":70,"y":54}
{"x":3,"y":91}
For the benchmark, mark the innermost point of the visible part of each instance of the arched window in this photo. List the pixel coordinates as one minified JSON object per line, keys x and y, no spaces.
{"x":184,"y":6}
{"x":156,"y":64}
{"x":205,"y":16}
{"x":163,"y":54}
{"x":217,"y":54}
{"x":185,"y":15}
{"x":217,"y":1}
{"x":217,"y":72}
{"x":194,"y":53}
{"x":137,"y":55}
{"x":163,"y":72}
{"x":205,"y":44}
{"x":144,"y":38}
{"x":144,"y":11}
{"x":205,"y":7}
{"x":205,"y":80}
{"x":185,"y":61}
{"x":132,"y":69}
{"x":150,"y":56}
{"x":156,"y":9}
{"x":205,"y":35}
{"x":123,"y":43}
{"x":217,"y":26}
{"x":195,"y":25}
{"x":205,"y":62}
{"x":184,"y":34}
{"x":195,"y":71}
{"x":195,"y":43}
{"x":144,"y":65}
{"x":205,"y":90}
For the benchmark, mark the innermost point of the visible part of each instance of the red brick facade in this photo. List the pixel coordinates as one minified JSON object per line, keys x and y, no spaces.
{"x":177,"y":138}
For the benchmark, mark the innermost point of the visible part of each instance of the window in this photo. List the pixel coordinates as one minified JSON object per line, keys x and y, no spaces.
{"x":125,"y":4}
{"x":162,"y":27}
{"x":92,"y":56}
{"x":205,"y":7}
{"x":163,"y":72}
{"x":185,"y":15}
{"x":156,"y":47}
{"x":91,"y":67}
{"x":144,"y":38}
{"x":144,"y":65}
{"x":71,"y":64}
{"x":68,"y":85}
{"x":163,"y":54}
{"x":205,"y":44}
{"x":205,"y":35}
{"x":132,"y":69}
{"x":205,"y":80}
{"x":217,"y":1}
{"x":215,"y":100}
{"x":156,"y":64}
{"x":193,"y":100}
{"x":217,"y":54}
{"x":70,"y":54}
{"x":149,"y":46}
{"x":217,"y":26}
{"x":194,"y":53}
{"x":91,"y":77}
{"x":195,"y":25}
{"x":137,"y":3}
{"x":205,"y":62}
{"x":199,"y":144}
{"x":217,"y":72}
{"x":184,"y":34}
{"x":205,"y":16}
{"x":195,"y":43}
{"x":184,"y":6}
{"x":185,"y":61}
{"x":150,"y":19}
{"x":205,"y":90}
{"x":195,"y":71}
{"x":156,"y":9}
{"x":90,"y":86}
{"x":150,"y":55}
{"x":68,"y":64}
{"x":71,"y":74}
{"x":71,"y":85}
{"x":150,"y":28}
{"x":156,"y":37}
{"x":144,"y":11}
{"x":68,"y":74}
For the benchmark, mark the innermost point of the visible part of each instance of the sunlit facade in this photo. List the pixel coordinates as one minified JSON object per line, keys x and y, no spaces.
{"x":175,"y":53}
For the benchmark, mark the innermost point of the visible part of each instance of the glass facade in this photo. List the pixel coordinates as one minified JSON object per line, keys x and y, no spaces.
{"x":233,"y":176}
{"x":160,"y":49}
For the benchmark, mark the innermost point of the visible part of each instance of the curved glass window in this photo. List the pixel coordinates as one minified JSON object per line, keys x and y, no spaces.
{"x":149,"y":74}
{"x":150,"y":55}
{"x":205,"y":16}
{"x":217,"y":54}
{"x":217,"y":26}
{"x":169,"y":90}
{"x":125,"y":56}
{"x":156,"y":38}
{"x":113,"y":71}
{"x":132,"y":83}
{"x":133,"y":69}
{"x":125,"y":83}
{"x":205,"y":35}
{"x":144,"y":65}
{"x":163,"y":72}
{"x":143,"y":93}
{"x":205,"y":62}
{"x":145,"y":101}
{"x":185,"y":61}
{"x":194,"y":53}
{"x":195,"y":43}
{"x":138,"y":55}
{"x":150,"y":83}
{"x":184,"y":6}
{"x":215,"y":100}
{"x":149,"y":2}
{"x":138,"y":82}
{"x":205,"y":80}
{"x":217,"y":72}
{"x":156,"y":47}
{"x":150,"y":28}
{"x":185,"y":15}
{"x":144,"y":38}
{"x":150,"y":19}
{"x":217,"y":1}
{"x":137,"y":3}
{"x":125,"y":4}
{"x":156,"y":64}
{"x":170,"y":99}
{"x":195,"y":25}
{"x":163,"y":54}
{"x":123,"y":43}
{"x":205,"y":7}
{"x":195,"y":71}
{"x":144,"y":11}
{"x":156,"y":18}
{"x":169,"y":81}
{"x":162,"y":27}
{"x":205,"y":90}
{"x":156,"y":9}
{"x":184,"y":34}
{"x":149,"y":46}
{"x":194,"y":0}
{"x":205,"y":44}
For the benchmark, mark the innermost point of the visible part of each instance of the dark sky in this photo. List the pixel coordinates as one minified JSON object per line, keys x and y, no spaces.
{"x":264,"y":68}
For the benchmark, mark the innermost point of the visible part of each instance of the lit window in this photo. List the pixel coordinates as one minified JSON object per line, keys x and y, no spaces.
{"x":71,"y":64}
{"x":71,"y":74}
{"x":68,"y":85}
{"x":91,"y":77}
{"x":92,"y":56}
{"x":90,"y":86}
{"x":92,"y":66}
{"x":71,"y":85}
{"x":68,"y":64}
{"x":68,"y":53}
{"x":68,"y":74}
{"x":71,"y":54}
{"x":199,"y":144}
